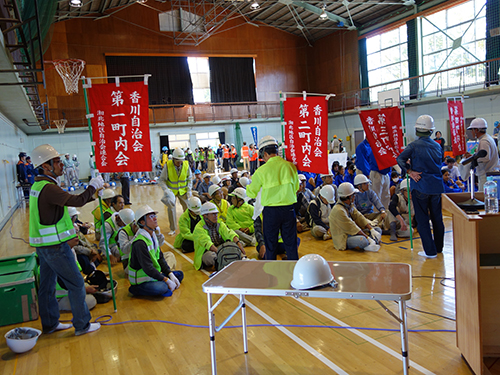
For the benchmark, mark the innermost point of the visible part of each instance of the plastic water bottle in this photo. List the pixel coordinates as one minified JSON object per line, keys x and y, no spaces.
{"x":490,"y":196}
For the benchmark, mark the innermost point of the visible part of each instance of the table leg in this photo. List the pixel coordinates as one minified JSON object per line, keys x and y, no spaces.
{"x":211,"y":328}
{"x":244,"y":319}
{"x":404,"y":336}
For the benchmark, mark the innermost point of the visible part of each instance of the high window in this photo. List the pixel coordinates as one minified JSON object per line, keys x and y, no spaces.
{"x":200,"y":75}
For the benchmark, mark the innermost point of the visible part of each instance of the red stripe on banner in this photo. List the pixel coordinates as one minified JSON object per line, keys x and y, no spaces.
{"x":306,"y":133}
{"x":457,"y":127}
{"x":383,"y":131}
{"x":120,"y":127}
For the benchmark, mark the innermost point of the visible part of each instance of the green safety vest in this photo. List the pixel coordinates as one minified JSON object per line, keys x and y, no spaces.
{"x":128,"y":229}
{"x":98,"y":223}
{"x":211,"y":155}
{"x":202,"y":156}
{"x":139,"y":276}
{"x":114,"y":235}
{"x":178,"y":184}
{"x":47,"y":235}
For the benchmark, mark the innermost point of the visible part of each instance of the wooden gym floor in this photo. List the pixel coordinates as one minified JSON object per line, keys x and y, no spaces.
{"x":159,"y":348}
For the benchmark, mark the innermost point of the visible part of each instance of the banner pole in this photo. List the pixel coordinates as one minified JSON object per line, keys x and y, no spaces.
{"x":282,"y":110}
{"x":100,"y":200}
{"x":405,"y":138}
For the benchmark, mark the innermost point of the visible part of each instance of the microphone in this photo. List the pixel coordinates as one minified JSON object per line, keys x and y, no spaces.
{"x":478,"y":155}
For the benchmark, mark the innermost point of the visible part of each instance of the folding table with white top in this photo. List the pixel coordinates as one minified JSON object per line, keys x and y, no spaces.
{"x":356,"y":280}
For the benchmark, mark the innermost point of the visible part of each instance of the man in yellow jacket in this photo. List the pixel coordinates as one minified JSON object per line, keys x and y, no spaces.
{"x":209,"y":234}
{"x":278,"y":182}
{"x":215,"y":192}
{"x":176,"y":182}
{"x":187,"y":222}
{"x":239,"y":217}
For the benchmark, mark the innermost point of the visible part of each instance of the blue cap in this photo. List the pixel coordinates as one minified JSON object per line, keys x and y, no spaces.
{"x":496,"y":123}
{"x":197,"y":171}
{"x":164,"y":148}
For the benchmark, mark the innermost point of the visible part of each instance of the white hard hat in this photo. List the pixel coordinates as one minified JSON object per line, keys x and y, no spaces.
{"x":127,"y":215}
{"x":189,"y":152}
{"x":142,"y":211}
{"x":311,"y":271}
{"x":178,"y":154}
{"x":234,"y":170}
{"x":244,"y":181}
{"x":267,"y":141}
{"x":403,"y":185}
{"x":170,"y":157}
{"x":208,"y":208}
{"x":194,"y":204}
{"x":425,"y":123}
{"x":212,"y":189}
{"x":226,"y":177}
{"x":72,"y":211}
{"x":243,"y":172}
{"x":206,"y":175}
{"x":322,"y":175}
{"x":240,"y":193}
{"x":346,"y":189}
{"x":302,"y":177}
{"x":43,"y":154}
{"x":328,"y":193}
{"x":361,"y":179}
{"x":478,"y":123}
{"x":108,"y":193}
{"x":216,"y":180}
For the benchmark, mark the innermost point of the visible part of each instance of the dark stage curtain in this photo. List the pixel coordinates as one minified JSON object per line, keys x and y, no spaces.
{"x":232,"y":79}
{"x":170,"y":81}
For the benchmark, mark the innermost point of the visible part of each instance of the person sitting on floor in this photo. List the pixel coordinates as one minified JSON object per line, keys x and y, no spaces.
{"x":203,"y":188}
{"x":209,"y":234}
{"x":117,"y":203}
{"x":187,"y":222}
{"x":110,"y":233}
{"x":234,"y":176}
{"x":319,"y":210}
{"x":395,"y":181}
{"x":148,"y":271}
{"x":87,"y":254}
{"x":398,"y":213}
{"x":197,"y":180}
{"x":366,"y":199}
{"x":348,"y":225}
{"x":340,"y":176}
{"x":106,"y":197}
{"x":222,"y":205}
{"x":327,"y":179}
{"x":239,"y":216}
{"x":449,"y":185}
{"x":304,"y":197}
{"x":351,"y":172}
{"x":126,"y":235}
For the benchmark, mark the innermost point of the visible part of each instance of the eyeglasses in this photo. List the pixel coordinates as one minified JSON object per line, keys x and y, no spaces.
{"x":152,"y":216}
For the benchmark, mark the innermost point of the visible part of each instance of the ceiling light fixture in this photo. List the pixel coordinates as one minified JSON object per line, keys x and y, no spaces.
{"x":323,"y":14}
{"x":75,"y":3}
{"x":141,"y":1}
{"x":255,"y":5}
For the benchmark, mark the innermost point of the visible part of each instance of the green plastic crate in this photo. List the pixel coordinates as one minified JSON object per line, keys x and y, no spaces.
{"x":18,"y":263}
{"x":18,"y":298}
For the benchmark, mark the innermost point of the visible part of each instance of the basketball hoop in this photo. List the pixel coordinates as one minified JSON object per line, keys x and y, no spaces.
{"x":70,"y":71}
{"x":60,"y":125}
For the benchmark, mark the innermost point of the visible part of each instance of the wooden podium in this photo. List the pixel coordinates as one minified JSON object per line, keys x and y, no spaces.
{"x":476,"y":245}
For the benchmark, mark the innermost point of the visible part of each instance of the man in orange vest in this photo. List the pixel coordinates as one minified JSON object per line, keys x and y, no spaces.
{"x":234,"y":156}
{"x":226,"y":158}
{"x":254,"y":154}
{"x":246,"y":156}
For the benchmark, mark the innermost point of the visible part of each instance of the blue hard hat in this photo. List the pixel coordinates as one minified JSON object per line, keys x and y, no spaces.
{"x":164,"y":148}
{"x":197,"y":171}
{"x":496,"y":123}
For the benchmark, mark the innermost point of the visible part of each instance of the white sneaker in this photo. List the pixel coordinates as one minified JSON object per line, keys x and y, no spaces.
{"x":423,"y":254}
{"x":93,"y":327}
{"x":372,"y":248}
{"x":171,"y":233}
{"x":61,"y":327}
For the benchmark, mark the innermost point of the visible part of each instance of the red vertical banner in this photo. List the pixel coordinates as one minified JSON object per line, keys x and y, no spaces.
{"x":120,"y":126}
{"x":457,"y":126}
{"x":383,"y":132}
{"x":306,"y":133}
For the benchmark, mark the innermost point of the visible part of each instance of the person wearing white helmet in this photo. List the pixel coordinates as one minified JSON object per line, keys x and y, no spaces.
{"x":278,"y":196}
{"x":239,"y":216}
{"x":489,"y":163}
{"x":110,"y":230}
{"x":216,"y":180}
{"x":210,"y":160}
{"x":126,"y":235}
{"x":234,"y":156}
{"x":348,"y":225}
{"x":234,"y":176}
{"x":209,"y":234}
{"x":203,"y":188}
{"x":52,"y":233}
{"x":304,"y":197}
{"x":366,"y":199}
{"x":327,"y":179}
{"x":421,"y":160}
{"x":148,"y":271}
{"x":106,"y":197}
{"x":215,"y":192}
{"x":245,"y":155}
{"x":319,"y":210}
{"x":399,"y":213}
{"x":176,"y":182}
{"x":187,"y":222}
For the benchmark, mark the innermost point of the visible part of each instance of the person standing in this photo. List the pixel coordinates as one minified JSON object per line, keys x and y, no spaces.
{"x":278,"y":182}
{"x":253,"y":158}
{"x":491,"y":162}
{"x":422,"y":159}
{"x":226,"y":158}
{"x":176,"y":181}
{"x":234,"y":156}
{"x":52,"y":233}
{"x":245,"y":154}
{"x":211,"y":160}
{"x":125,"y":181}
{"x":31,"y":173}
{"x":439,"y":139}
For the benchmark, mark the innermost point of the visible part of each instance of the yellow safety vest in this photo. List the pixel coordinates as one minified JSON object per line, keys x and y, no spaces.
{"x":178,"y":184}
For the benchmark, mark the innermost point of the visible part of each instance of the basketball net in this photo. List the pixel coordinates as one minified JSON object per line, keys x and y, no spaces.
{"x":60,"y":125}
{"x":70,"y":71}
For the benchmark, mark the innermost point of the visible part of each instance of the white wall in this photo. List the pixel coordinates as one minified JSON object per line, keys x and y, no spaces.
{"x":12,"y":142}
